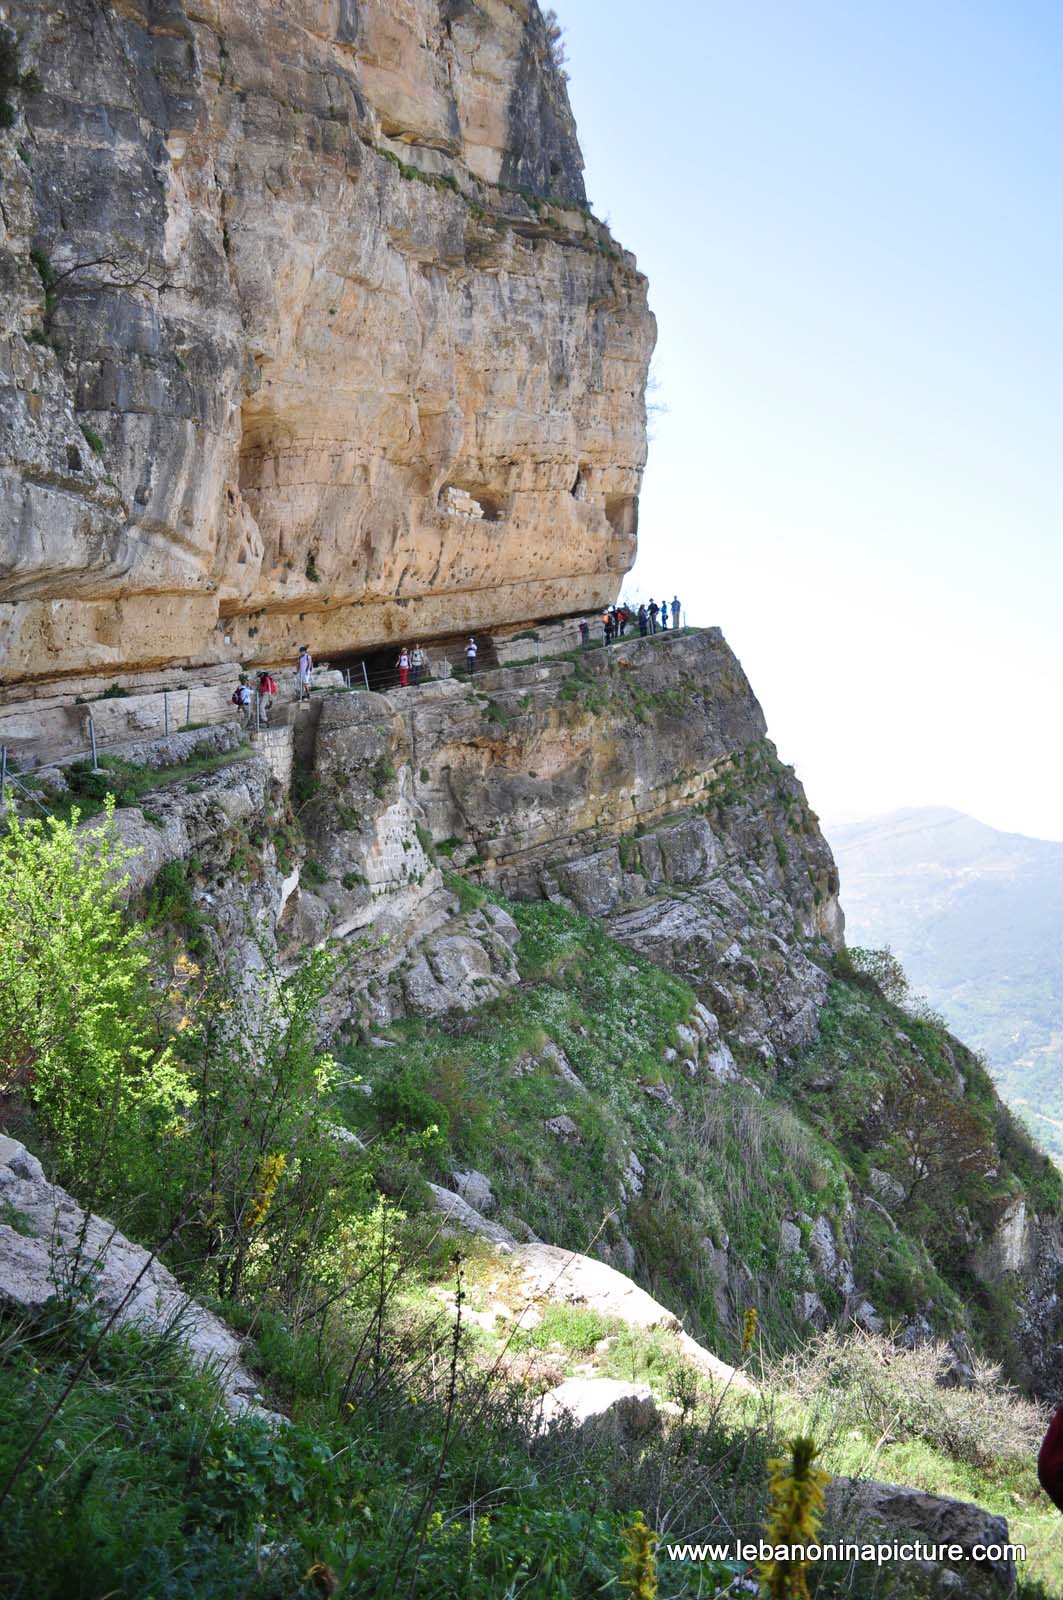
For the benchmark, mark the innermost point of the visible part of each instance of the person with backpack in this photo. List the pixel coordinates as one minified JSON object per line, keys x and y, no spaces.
{"x":664,"y":616}
{"x":267,"y":688}
{"x":304,"y":668}
{"x":242,"y":700}
{"x":418,"y":662}
{"x":607,"y":626}
{"x":470,"y":655}
{"x":623,"y":616}
{"x":584,"y":634}
{"x":654,"y":611}
{"x":403,"y":664}
{"x":642,"y":617}
{"x":677,"y":611}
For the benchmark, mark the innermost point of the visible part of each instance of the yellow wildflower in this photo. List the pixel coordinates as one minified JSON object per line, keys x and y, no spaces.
{"x":638,"y":1574}
{"x":269,"y":1175}
{"x":795,"y":1510}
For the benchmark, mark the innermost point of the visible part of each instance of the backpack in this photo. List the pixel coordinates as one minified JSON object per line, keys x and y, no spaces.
{"x":236,"y":700}
{"x":267,"y":685}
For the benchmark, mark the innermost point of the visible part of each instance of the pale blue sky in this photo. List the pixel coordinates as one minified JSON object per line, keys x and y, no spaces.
{"x":850,"y":216}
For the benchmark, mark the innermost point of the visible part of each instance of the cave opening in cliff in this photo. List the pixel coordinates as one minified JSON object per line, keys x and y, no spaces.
{"x":445,"y":652}
{"x":471,"y":501}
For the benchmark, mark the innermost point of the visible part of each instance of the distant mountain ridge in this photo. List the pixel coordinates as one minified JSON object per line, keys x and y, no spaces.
{"x":976,"y":917}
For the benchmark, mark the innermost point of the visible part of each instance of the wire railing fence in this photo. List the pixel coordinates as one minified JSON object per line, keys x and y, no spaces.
{"x":263,"y":710}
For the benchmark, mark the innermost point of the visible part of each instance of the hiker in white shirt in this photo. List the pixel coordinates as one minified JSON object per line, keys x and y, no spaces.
{"x":470,"y":655}
{"x":304,"y":668}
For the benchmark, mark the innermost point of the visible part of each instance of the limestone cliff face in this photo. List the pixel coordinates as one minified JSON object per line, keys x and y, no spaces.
{"x":307,"y":333}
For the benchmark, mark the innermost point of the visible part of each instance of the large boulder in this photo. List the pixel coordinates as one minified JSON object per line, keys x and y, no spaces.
{"x":604,"y":1408}
{"x":979,"y":1565}
{"x":49,"y":1247}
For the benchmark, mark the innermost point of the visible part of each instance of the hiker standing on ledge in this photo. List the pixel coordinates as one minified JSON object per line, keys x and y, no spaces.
{"x":403,"y":664}
{"x":676,"y":612}
{"x":470,"y":655}
{"x":643,"y":620}
{"x":418,"y":661}
{"x":654,"y":609}
{"x":266,"y":690}
{"x":607,"y":626}
{"x":242,"y":700}
{"x":303,"y":668}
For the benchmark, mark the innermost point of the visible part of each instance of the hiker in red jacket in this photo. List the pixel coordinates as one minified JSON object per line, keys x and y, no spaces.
{"x":267,"y":688}
{"x":1050,"y":1460}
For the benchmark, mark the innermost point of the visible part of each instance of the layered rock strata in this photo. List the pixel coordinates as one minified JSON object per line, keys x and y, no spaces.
{"x":306,"y":333}
{"x":635,"y":785}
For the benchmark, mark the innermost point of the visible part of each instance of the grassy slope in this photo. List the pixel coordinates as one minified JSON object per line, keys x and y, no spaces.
{"x":143,"y":1488}
{"x":719,"y":1162}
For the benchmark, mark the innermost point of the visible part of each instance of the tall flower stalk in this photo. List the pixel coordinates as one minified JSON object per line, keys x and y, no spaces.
{"x":795,"y":1511}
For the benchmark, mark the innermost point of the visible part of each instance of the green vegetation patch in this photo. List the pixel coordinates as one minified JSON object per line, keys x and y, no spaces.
{"x":126,"y":780}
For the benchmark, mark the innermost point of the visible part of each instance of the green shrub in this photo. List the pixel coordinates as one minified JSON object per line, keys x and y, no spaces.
{"x":78,"y":1030}
{"x":169,"y":902}
{"x":312,"y":874}
{"x":424,"y":839}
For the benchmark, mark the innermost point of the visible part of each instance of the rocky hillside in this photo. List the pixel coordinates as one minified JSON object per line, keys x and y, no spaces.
{"x":586,"y":991}
{"x":309,"y":334}
{"x":773,"y":1133}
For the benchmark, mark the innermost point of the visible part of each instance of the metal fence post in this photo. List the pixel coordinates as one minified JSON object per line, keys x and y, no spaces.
{"x":92,"y":740}
{"x":188,"y":707}
{"x":166,"y":713}
{"x":365,"y":673}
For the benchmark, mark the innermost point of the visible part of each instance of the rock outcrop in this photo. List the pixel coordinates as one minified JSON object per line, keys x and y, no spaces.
{"x":979,"y":1564}
{"x":50,"y":1249}
{"x":307,"y":334}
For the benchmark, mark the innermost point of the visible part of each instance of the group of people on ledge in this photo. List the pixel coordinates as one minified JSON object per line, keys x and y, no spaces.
{"x":412,"y":662}
{"x":255,"y":704}
{"x":617,"y":618}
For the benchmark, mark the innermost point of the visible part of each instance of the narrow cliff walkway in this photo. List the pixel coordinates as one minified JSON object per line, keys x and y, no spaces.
{"x":137,"y":721}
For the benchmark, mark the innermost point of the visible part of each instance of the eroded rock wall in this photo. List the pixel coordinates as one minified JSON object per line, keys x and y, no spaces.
{"x":281,"y":285}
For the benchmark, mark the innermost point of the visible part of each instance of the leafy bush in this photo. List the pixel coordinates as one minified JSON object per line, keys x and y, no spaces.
{"x":312,"y":874}
{"x":79,"y":1036}
{"x":169,"y":901}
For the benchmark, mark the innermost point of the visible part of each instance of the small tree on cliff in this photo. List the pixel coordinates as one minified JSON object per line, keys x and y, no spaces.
{"x":936,"y":1147}
{"x":555,"y":39}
